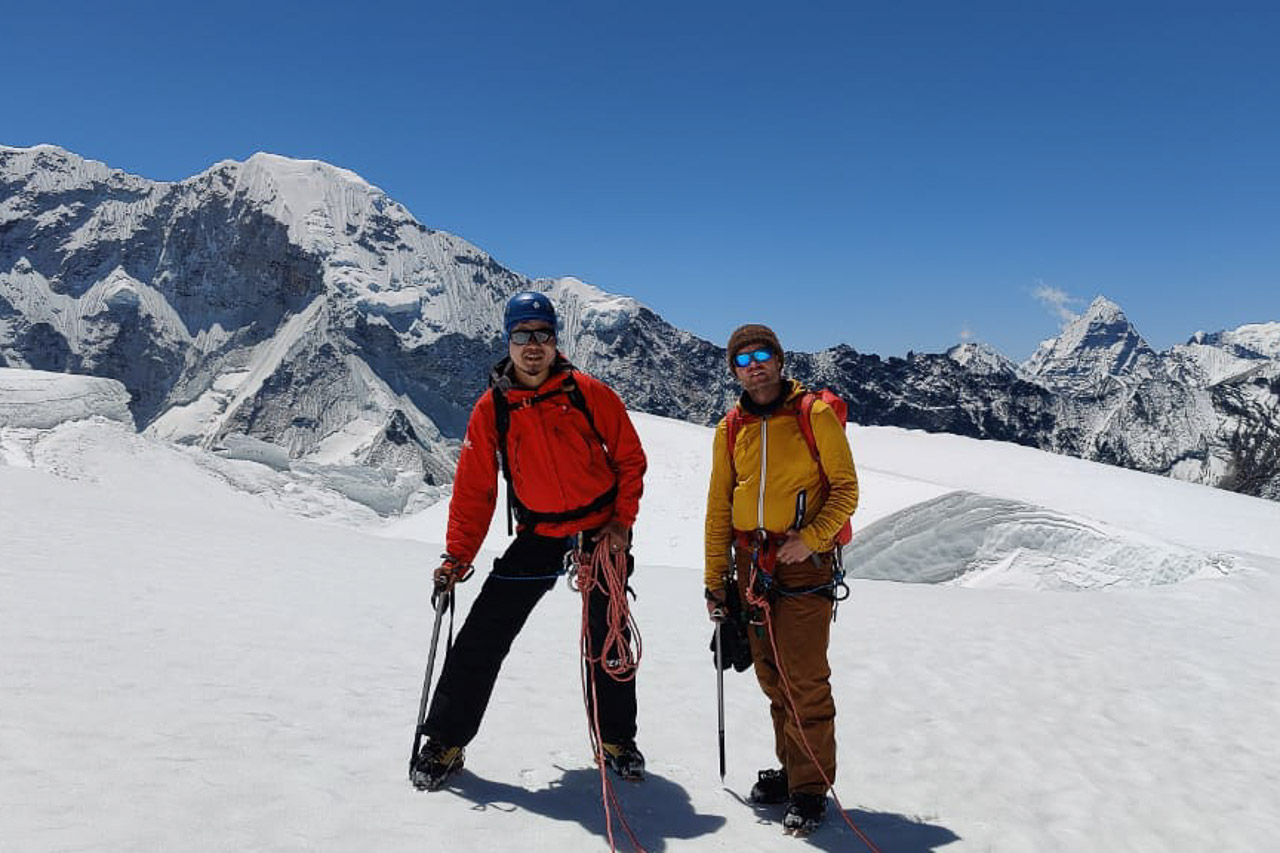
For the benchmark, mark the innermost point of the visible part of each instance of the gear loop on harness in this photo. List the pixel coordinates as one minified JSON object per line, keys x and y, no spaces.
{"x":762,"y":583}
{"x":574,"y":558}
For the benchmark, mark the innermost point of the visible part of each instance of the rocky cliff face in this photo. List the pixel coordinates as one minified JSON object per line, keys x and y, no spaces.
{"x":292,"y":303}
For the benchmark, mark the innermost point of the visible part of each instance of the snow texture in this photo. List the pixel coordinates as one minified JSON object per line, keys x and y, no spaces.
{"x":210,"y":654}
{"x":39,"y":400}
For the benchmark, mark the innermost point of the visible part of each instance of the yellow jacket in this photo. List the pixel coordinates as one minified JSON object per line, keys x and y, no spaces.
{"x":771,"y":465}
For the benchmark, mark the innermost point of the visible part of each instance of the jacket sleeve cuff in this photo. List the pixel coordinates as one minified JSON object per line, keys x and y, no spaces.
{"x":810,"y":539}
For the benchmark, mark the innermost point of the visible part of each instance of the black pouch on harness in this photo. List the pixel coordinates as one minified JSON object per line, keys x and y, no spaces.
{"x":735,"y":645}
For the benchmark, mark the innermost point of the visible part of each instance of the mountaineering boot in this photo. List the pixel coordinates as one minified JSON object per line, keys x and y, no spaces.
{"x":624,"y":759}
{"x":435,"y":764}
{"x":804,"y":813}
{"x":770,"y":788}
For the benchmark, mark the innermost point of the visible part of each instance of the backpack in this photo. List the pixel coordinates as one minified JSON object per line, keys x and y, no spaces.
{"x":734,"y":420}
{"x":502,"y":418}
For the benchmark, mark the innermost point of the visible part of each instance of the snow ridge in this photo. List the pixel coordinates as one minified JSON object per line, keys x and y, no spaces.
{"x":974,"y":540}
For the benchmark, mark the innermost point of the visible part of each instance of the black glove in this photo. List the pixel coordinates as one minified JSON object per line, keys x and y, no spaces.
{"x":735,"y":645}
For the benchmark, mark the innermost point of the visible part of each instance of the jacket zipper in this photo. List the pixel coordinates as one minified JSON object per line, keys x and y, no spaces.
{"x":764,"y":465}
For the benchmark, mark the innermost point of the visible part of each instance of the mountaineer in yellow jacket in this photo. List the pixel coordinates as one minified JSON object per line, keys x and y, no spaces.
{"x":773,"y":514}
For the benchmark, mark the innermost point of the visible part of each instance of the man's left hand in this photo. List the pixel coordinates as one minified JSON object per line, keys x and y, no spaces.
{"x":616,"y":535}
{"x":793,"y":550}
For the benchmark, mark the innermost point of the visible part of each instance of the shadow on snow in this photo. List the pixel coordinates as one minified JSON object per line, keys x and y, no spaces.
{"x":659,"y":809}
{"x":656,"y":809}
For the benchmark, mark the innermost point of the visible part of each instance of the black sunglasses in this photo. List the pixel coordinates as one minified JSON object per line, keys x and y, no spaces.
{"x":742,"y":359}
{"x":520,"y":337}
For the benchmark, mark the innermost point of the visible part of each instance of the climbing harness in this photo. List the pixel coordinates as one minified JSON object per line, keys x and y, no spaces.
{"x":763,"y":585}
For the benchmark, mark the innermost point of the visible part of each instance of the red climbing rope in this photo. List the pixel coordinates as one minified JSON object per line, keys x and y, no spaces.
{"x":761,"y":601}
{"x":606,"y":570}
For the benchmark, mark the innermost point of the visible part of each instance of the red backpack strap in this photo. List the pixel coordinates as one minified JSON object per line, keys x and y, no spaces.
{"x":732,"y":422}
{"x":840,"y":409}
{"x":805,"y":417}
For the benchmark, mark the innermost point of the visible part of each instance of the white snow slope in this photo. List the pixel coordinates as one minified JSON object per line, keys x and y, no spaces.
{"x":186,"y":666}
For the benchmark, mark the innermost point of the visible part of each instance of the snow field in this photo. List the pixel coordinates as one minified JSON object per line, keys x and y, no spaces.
{"x":191,"y":666}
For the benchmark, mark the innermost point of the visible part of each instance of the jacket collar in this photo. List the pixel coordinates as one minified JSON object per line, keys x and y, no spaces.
{"x":502,"y":376}
{"x":791,"y":389}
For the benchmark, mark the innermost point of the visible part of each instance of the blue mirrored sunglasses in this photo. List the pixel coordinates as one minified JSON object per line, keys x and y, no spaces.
{"x":742,"y":359}
{"x":521,"y":337}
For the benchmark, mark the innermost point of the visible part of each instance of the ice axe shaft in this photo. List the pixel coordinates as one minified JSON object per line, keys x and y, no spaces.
{"x":441,"y":601}
{"x":720,"y":695}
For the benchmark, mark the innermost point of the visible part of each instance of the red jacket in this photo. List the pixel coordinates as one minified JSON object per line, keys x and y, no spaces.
{"x":557,"y":462}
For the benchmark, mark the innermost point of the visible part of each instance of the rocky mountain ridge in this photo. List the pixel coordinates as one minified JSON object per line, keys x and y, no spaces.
{"x":291,"y":304}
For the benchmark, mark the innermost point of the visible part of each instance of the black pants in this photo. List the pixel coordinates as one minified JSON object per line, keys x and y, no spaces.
{"x":499,"y":612}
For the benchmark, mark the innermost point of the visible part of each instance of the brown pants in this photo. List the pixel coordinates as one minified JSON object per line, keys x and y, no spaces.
{"x":801,"y":629}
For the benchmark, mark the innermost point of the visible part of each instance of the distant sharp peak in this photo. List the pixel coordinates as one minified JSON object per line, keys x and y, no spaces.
{"x":1103,"y":310}
{"x":980,"y":357}
{"x":1099,"y":324}
{"x":1253,"y":339}
{"x":1098,"y":343}
{"x":1101,"y":314}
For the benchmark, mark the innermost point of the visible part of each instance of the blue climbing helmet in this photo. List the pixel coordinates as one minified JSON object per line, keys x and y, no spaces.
{"x":528,"y":305}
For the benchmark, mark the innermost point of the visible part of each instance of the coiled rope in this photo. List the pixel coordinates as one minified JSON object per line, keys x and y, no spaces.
{"x":619,"y":658}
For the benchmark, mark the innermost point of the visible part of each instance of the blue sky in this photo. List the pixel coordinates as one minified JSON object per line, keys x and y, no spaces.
{"x":891,"y":175}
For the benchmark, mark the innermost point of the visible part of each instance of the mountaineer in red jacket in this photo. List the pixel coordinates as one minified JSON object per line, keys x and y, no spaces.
{"x":574,"y":465}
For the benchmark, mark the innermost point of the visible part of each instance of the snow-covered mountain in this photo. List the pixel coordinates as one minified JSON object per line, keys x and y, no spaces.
{"x":980,"y":358}
{"x":1205,"y":411}
{"x":1252,"y":340}
{"x":1099,"y":344}
{"x":288,"y":310}
{"x":290,"y":302}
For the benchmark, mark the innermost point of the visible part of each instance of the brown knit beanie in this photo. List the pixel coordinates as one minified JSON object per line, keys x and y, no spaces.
{"x":753,"y":333}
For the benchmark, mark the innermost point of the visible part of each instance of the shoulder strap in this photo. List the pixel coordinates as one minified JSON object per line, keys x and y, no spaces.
{"x":804,"y":414}
{"x":570,"y":388}
{"x":502,"y":421}
{"x":732,"y":422}
{"x":574,"y":392}
{"x":845,"y":534}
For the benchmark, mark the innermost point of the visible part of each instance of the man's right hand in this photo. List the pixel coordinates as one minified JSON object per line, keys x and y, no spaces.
{"x":450,"y":572}
{"x":717,"y":608}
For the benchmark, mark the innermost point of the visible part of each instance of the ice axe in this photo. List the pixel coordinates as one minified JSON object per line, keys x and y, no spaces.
{"x":441,"y":599}
{"x":720,"y":692}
